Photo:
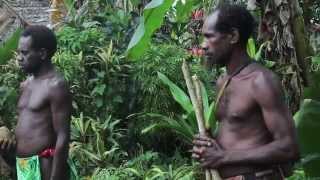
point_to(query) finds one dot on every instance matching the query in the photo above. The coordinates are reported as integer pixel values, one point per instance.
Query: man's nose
(204, 45)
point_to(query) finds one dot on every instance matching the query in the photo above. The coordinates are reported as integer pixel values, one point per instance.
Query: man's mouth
(22, 66)
(208, 56)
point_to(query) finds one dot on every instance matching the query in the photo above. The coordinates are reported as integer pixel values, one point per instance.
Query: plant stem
(194, 90)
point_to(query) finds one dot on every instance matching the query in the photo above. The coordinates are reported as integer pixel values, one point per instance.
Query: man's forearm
(275, 152)
(59, 166)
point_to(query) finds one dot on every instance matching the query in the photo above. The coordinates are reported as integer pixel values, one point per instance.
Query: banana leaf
(307, 121)
(8, 48)
(153, 15)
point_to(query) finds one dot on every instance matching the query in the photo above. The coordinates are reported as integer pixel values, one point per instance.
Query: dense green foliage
(133, 119)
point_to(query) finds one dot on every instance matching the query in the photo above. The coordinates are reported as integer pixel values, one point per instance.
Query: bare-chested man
(256, 134)
(44, 108)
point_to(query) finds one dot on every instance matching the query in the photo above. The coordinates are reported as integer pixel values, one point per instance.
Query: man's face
(216, 45)
(29, 59)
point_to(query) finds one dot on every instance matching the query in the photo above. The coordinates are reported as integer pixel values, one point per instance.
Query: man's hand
(207, 152)
(7, 141)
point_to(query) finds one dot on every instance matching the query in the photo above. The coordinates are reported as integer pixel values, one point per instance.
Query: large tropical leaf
(183, 99)
(8, 48)
(307, 121)
(153, 15)
(180, 126)
(184, 9)
(185, 126)
(178, 94)
(312, 92)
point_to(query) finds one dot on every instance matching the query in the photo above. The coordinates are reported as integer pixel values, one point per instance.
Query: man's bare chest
(236, 102)
(33, 97)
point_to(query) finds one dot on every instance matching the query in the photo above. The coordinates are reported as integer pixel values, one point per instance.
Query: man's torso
(34, 131)
(241, 122)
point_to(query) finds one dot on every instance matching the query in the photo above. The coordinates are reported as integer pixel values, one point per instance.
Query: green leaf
(257, 56)
(205, 98)
(149, 128)
(135, 2)
(316, 60)
(8, 48)
(251, 48)
(312, 92)
(99, 102)
(178, 94)
(210, 120)
(69, 4)
(184, 10)
(153, 15)
(134, 171)
(180, 126)
(99, 89)
(307, 121)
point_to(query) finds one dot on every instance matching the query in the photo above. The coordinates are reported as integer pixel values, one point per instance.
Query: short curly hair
(235, 16)
(42, 37)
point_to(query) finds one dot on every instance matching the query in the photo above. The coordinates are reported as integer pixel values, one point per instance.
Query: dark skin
(255, 126)
(44, 109)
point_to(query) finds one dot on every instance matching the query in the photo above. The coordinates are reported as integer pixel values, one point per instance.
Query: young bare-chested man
(256, 134)
(44, 107)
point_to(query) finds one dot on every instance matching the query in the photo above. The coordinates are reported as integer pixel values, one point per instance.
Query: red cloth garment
(49, 152)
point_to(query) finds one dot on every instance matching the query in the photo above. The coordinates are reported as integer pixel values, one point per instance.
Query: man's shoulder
(265, 82)
(264, 76)
(58, 86)
(26, 82)
(57, 81)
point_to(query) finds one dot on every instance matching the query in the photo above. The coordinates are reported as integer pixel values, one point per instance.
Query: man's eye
(24, 52)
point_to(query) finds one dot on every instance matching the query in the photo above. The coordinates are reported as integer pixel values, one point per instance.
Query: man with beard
(44, 107)
(256, 138)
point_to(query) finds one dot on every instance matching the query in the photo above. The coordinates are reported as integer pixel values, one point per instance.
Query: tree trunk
(283, 25)
(302, 46)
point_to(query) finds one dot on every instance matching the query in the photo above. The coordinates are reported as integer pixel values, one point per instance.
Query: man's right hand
(207, 151)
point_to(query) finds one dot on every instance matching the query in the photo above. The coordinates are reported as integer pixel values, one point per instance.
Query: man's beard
(211, 62)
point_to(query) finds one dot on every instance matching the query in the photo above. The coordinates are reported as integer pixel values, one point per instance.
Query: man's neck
(238, 58)
(45, 70)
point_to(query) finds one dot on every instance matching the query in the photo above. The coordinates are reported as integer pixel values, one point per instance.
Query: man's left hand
(207, 152)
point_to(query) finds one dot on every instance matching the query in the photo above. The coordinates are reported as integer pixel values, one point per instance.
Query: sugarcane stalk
(194, 90)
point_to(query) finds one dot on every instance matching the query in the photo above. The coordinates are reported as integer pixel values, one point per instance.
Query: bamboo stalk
(213, 173)
(199, 105)
(193, 97)
(194, 90)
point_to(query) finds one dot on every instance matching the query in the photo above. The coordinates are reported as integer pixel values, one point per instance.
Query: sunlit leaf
(8, 48)
(153, 15)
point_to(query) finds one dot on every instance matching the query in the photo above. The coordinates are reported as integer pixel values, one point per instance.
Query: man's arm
(60, 100)
(268, 94)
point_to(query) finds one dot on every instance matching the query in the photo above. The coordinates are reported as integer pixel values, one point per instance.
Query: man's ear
(43, 54)
(235, 36)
